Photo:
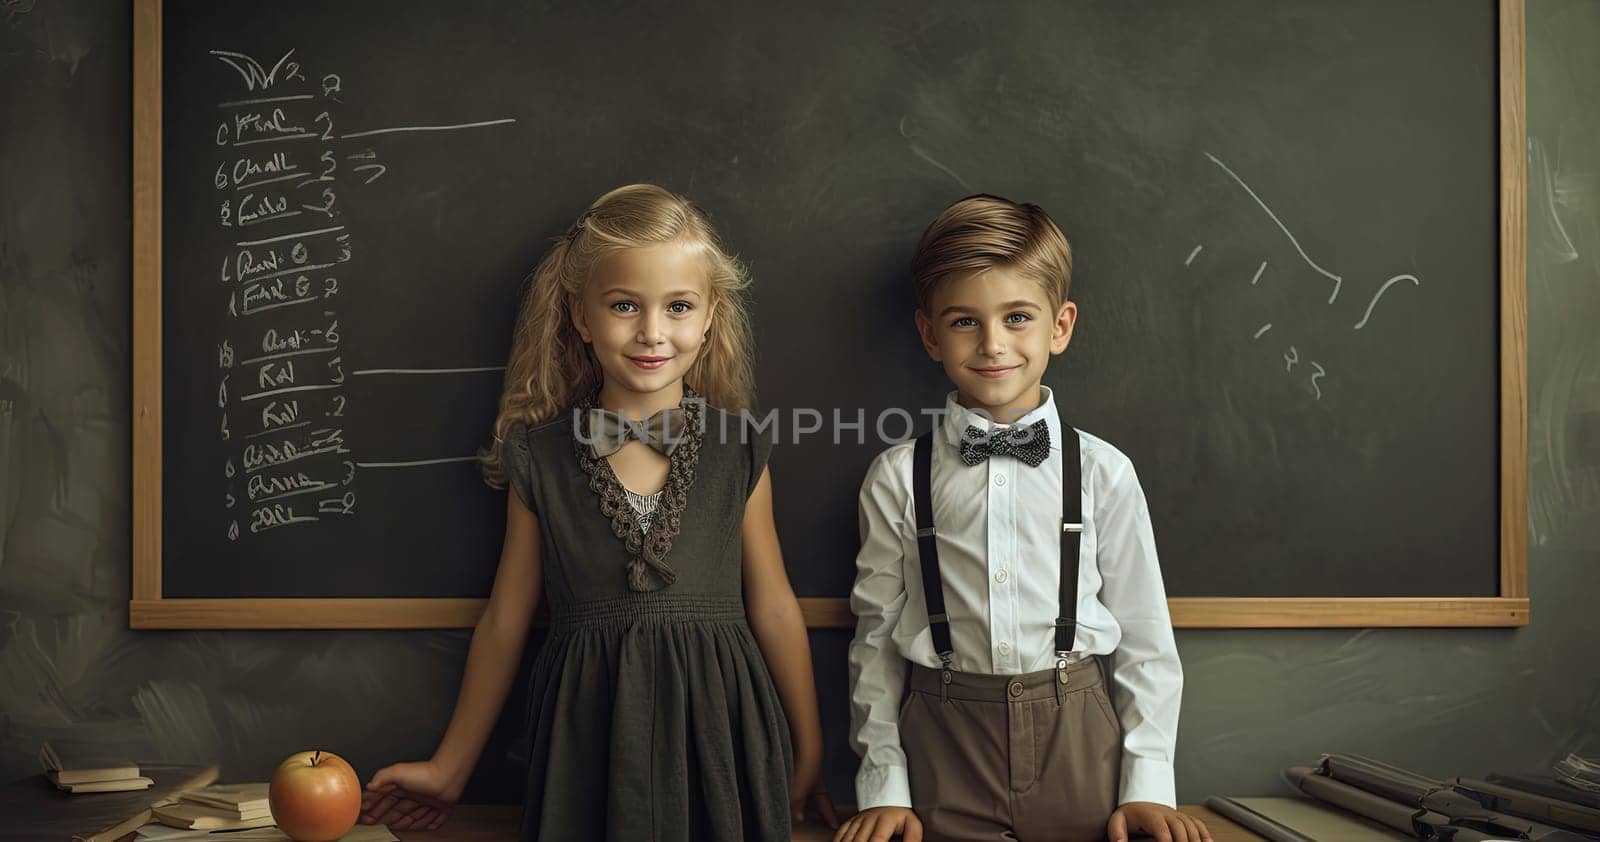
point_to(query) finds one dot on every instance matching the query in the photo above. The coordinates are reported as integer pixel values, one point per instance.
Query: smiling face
(994, 331)
(646, 311)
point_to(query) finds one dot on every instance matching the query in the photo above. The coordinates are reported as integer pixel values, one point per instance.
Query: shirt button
(1000, 479)
(1005, 648)
(1000, 576)
(1015, 689)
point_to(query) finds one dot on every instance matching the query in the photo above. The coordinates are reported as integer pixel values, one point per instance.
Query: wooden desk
(23, 802)
(484, 823)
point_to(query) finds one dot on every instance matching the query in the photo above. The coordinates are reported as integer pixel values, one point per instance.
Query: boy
(1008, 731)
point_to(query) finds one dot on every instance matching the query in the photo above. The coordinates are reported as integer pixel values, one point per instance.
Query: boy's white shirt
(999, 557)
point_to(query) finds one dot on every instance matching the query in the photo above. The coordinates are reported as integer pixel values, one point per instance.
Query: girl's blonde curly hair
(550, 370)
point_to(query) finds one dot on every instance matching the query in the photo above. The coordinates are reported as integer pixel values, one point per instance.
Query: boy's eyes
(1011, 319)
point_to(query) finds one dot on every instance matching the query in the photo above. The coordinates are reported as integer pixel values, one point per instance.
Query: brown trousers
(1012, 757)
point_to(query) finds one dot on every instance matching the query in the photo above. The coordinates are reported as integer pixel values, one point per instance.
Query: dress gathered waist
(648, 607)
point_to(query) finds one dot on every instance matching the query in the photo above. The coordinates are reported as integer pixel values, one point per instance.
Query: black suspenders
(928, 547)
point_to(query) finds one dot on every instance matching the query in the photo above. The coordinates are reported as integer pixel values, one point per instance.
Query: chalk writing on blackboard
(1284, 228)
(281, 365)
(429, 128)
(372, 171)
(256, 76)
(411, 463)
(472, 370)
(1291, 356)
(1379, 294)
(1318, 376)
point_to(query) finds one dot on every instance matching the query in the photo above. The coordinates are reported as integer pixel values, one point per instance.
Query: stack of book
(76, 772)
(217, 807)
(33, 809)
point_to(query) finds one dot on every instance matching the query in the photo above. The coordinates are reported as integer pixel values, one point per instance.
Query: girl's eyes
(676, 308)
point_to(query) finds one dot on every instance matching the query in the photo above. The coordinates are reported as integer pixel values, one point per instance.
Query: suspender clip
(927, 532)
(1071, 527)
(1067, 659)
(1063, 659)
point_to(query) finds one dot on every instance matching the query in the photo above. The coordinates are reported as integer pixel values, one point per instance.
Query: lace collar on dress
(647, 549)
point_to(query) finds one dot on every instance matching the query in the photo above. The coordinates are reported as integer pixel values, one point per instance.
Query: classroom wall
(1442, 702)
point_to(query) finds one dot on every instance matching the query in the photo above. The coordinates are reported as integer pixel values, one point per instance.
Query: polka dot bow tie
(1030, 444)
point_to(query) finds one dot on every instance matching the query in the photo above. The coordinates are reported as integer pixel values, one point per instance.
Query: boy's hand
(879, 824)
(1160, 821)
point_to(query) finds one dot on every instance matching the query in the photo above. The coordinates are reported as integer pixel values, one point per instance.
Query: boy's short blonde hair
(983, 232)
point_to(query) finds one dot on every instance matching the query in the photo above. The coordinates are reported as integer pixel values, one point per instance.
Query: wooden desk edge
(496, 822)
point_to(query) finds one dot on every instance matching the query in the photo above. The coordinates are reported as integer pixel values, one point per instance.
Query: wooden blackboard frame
(148, 609)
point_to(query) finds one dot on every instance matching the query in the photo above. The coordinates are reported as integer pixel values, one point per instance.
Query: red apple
(315, 796)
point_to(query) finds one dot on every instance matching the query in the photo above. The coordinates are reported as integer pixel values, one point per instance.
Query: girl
(643, 508)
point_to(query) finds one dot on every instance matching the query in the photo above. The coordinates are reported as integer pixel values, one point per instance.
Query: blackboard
(1290, 221)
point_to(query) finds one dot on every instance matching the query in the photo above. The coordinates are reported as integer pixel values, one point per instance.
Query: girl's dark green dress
(651, 714)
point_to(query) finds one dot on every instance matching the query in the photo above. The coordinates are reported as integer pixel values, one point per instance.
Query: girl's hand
(879, 824)
(814, 794)
(405, 796)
